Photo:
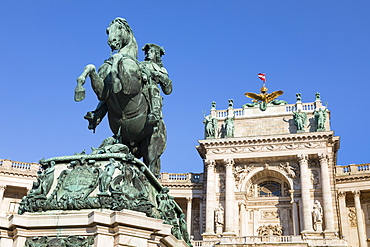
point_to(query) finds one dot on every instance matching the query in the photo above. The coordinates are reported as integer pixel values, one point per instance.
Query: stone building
(270, 177)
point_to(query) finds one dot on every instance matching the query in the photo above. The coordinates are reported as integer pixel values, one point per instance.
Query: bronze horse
(119, 85)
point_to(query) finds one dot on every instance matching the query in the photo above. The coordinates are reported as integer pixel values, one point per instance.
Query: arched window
(269, 189)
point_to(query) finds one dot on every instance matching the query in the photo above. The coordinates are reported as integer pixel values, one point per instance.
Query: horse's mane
(124, 23)
(133, 47)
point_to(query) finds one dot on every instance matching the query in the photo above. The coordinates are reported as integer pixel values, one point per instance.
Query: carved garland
(263, 148)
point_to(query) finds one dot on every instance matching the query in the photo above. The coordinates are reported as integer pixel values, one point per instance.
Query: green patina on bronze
(320, 119)
(124, 182)
(69, 241)
(300, 120)
(128, 92)
(113, 176)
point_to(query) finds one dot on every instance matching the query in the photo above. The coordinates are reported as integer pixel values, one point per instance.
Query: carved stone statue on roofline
(320, 119)
(210, 127)
(300, 120)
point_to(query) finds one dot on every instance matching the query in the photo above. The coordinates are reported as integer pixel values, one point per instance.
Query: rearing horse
(119, 85)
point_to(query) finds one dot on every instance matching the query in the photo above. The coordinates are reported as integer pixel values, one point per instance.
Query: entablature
(263, 146)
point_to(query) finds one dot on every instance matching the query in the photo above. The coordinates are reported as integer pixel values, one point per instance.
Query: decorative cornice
(242, 141)
(261, 144)
(352, 178)
(18, 174)
(266, 148)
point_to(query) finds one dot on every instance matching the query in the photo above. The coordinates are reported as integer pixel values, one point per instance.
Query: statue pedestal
(318, 227)
(101, 228)
(104, 185)
(219, 229)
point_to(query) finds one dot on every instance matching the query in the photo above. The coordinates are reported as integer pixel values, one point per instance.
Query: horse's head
(120, 35)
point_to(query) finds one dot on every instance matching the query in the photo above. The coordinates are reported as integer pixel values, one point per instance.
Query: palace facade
(270, 178)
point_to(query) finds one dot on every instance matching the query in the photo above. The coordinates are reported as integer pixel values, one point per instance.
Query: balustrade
(181, 177)
(308, 107)
(21, 166)
(241, 112)
(353, 169)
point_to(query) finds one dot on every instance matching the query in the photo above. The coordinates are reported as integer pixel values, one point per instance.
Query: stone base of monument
(96, 199)
(87, 228)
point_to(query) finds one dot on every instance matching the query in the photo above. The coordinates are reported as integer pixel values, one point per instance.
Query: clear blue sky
(214, 50)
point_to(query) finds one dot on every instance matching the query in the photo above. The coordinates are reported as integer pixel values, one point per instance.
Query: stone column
(305, 191)
(343, 214)
(188, 214)
(326, 194)
(211, 197)
(229, 198)
(360, 220)
(2, 190)
(294, 213)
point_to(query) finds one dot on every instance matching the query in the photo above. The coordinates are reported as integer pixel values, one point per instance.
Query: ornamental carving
(60, 242)
(342, 194)
(273, 203)
(323, 158)
(267, 148)
(302, 158)
(119, 185)
(196, 220)
(315, 180)
(352, 216)
(270, 230)
(240, 172)
(222, 183)
(113, 181)
(251, 191)
(209, 163)
(290, 170)
(269, 214)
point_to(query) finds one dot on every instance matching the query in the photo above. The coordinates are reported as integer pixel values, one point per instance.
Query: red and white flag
(262, 76)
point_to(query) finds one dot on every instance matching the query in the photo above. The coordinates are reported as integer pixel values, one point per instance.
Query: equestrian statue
(128, 91)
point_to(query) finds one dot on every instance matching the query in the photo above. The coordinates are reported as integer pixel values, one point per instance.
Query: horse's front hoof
(79, 95)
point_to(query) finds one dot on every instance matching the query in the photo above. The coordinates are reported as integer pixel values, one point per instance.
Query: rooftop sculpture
(264, 98)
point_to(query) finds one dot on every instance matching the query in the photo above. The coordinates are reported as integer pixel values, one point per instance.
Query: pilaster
(188, 213)
(229, 197)
(343, 214)
(294, 213)
(360, 219)
(2, 190)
